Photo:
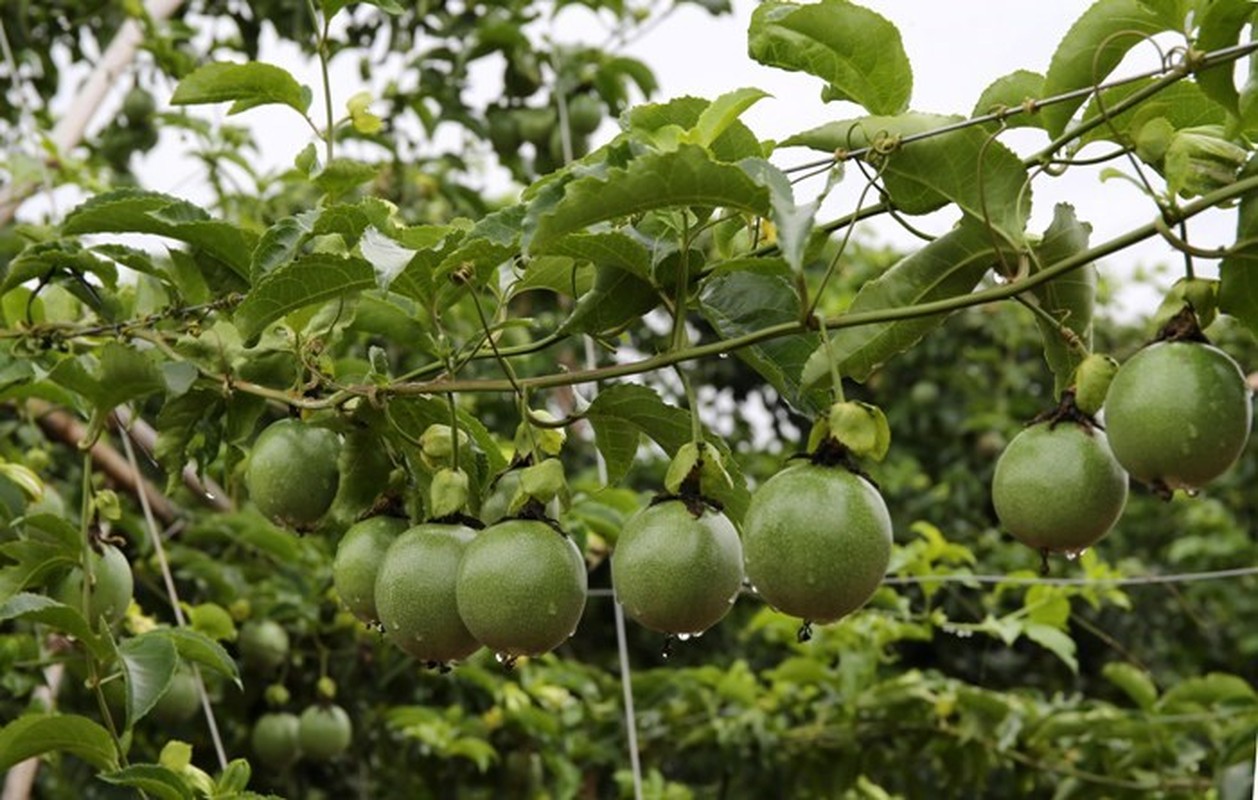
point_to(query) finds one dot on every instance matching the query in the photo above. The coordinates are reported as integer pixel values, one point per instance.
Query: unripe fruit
(263, 644)
(1058, 488)
(180, 700)
(110, 591)
(585, 113)
(275, 739)
(416, 595)
(816, 541)
(1178, 414)
(359, 555)
(324, 731)
(292, 474)
(521, 587)
(676, 572)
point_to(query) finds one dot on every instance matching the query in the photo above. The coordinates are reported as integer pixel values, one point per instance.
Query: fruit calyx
(1184, 326)
(1066, 410)
(693, 472)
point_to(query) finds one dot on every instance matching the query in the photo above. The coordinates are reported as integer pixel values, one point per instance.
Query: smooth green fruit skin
(416, 596)
(275, 739)
(111, 591)
(263, 644)
(521, 588)
(324, 731)
(180, 700)
(359, 555)
(1179, 414)
(816, 541)
(292, 474)
(1059, 488)
(675, 573)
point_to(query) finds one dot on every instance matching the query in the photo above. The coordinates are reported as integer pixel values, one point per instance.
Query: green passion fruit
(292, 474)
(1058, 488)
(263, 644)
(1178, 414)
(521, 587)
(676, 571)
(275, 739)
(181, 699)
(324, 731)
(816, 541)
(415, 593)
(359, 555)
(110, 590)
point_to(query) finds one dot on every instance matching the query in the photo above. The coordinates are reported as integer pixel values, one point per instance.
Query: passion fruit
(263, 644)
(521, 587)
(110, 591)
(1178, 414)
(292, 474)
(676, 571)
(816, 541)
(359, 555)
(415, 593)
(181, 699)
(275, 739)
(1058, 488)
(324, 731)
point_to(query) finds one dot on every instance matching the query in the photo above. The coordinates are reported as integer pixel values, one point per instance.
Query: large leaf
(736, 303)
(1238, 272)
(58, 616)
(687, 176)
(200, 649)
(1221, 25)
(148, 665)
(857, 52)
(967, 167)
(950, 266)
(653, 122)
(611, 249)
(1011, 92)
(297, 284)
(136, 211)
(621, 415)
(123, 374)
(1182, 104)
(617, 298)
(1090, 51)
(153, 779)
(246, 85)
(1068, 298)
(37, 734)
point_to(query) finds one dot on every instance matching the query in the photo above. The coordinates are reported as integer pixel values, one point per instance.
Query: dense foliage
(416, 351)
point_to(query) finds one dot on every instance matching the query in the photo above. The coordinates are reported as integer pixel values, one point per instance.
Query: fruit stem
(836, 380)
(692, 400)
(1069, 335)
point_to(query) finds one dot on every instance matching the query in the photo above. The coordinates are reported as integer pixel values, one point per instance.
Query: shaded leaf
(152, 779)
(58, 616)
(297, 284)
(37, 734)
(857, 52)
(1238, 272)
(617, 298)
(1134, 682)
(950, 266)
(148, 664)
(196, 647)
(611, 249)
(1068, 298)
(1221, 24)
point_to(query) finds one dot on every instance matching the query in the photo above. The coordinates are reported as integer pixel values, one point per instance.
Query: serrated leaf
(280, 243)
(1134, 682)
(244, 85)
(857, 52)
(1010, 92)
(685, 177)
(180, 420)
(152, 779)
(736, 303)
(611, 249)
(1238, 271)
(136, 211)
(200, 649)
(148, 664)
(1221, 25)
(617, 298)
(1069, 298)
(38, 734)
(558, 274)
(967, 167)
(1090, 51)
(950, 266)
(683, 113)
(297, 284)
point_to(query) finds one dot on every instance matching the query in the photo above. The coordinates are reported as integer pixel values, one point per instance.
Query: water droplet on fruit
(667, 650)
(804, 634)
(506, 660)
(1192, 492)
(683, 637)
(1072, 555)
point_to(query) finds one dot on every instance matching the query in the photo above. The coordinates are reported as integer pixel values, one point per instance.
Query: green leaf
(1069, 298)
(1221, 25)
(60, 617)
(1134, 682)
(737, 303)
(1055, 641)
(723, 112)
(280, 243)
(652, 122)
(685, 177)
(197, 647)
(950, 266)
(611, 249)
(1206, 692)
(37, 734)
(1010, 92)
(1090, 51)
(148, 665)
(152, 779)
(1238, 271)
(793, 223)
(246, 85)
(136, 211)
(297, 284)
(617, 298)
(857, 52)
(330, 7)
(342, 175)
(558, 274)
(1183, 104)
(967, 167)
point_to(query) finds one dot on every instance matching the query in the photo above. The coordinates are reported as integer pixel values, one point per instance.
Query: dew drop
(1072, 555)
(666, 651)
(683, 637)
(506, 660)
(1192, 492)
